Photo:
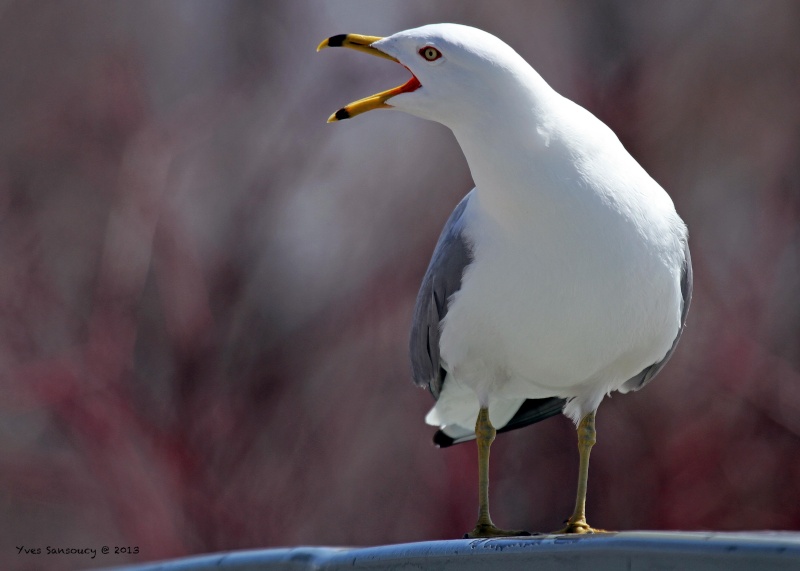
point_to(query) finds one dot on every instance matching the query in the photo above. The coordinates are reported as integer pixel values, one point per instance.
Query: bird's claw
(579, 527)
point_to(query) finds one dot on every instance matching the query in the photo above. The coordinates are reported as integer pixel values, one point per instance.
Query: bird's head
(457, 71)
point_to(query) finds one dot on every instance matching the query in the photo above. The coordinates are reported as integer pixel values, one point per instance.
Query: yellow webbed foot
(578, 526)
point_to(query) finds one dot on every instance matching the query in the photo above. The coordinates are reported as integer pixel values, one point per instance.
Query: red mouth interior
(411, 85)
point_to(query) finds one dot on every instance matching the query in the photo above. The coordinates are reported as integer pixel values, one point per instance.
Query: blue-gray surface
(624, 550)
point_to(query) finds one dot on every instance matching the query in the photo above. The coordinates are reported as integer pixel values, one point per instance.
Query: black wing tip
(531, 412)
(441, 440)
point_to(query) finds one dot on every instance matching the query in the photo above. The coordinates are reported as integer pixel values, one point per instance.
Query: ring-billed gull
(563, 275)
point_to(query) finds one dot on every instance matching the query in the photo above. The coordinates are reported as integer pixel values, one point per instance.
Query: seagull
(563, 276)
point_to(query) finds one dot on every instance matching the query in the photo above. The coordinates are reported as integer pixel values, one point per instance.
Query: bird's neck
(509, 153)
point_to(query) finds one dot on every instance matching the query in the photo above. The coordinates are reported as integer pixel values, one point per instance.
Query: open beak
(364, 44)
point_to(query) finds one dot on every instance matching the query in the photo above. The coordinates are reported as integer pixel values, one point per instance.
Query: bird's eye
(430, 53)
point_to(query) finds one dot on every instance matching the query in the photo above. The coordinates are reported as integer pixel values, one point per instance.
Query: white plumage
(575, 283)
(564, 273)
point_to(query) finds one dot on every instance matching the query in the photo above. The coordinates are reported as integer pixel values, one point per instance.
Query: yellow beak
(377, 101)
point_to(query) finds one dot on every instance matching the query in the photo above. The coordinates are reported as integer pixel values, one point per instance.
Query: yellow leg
(484, 435)
(586, 439)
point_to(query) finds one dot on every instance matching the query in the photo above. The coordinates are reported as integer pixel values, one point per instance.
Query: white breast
(575, 284)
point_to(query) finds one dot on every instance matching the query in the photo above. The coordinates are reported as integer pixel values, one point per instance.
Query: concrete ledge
(630, 550)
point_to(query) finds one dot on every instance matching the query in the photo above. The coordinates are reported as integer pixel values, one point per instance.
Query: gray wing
(640, 380)
(442, 279)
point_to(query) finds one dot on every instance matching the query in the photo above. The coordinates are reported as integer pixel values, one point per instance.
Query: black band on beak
(337, 41)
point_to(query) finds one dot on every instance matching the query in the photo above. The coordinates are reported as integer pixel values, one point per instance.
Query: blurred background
(206, 291)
